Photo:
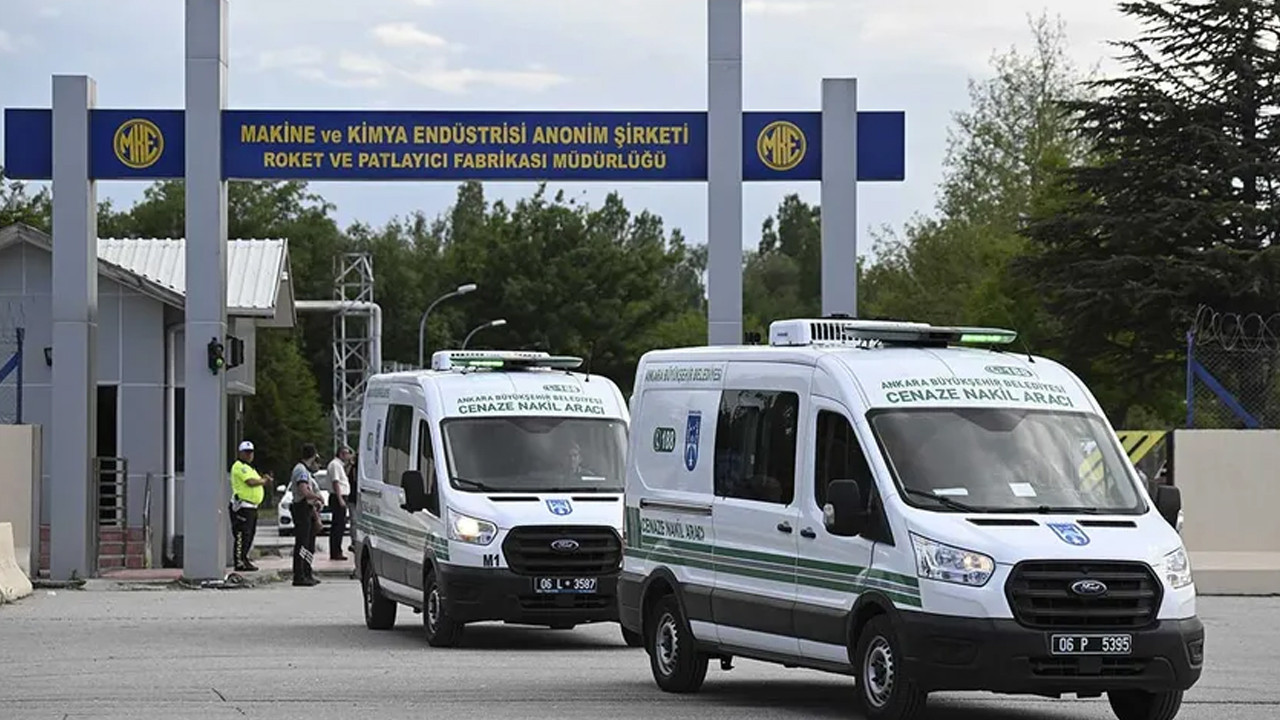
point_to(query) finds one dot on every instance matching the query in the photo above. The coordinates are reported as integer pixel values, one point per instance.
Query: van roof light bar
(829, 332)
(501, 360)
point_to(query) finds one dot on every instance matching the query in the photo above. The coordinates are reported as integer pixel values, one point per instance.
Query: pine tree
(1177, 206)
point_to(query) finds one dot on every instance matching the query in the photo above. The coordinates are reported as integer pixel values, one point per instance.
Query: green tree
(1177, 204)
(19, 205)
(284, 411)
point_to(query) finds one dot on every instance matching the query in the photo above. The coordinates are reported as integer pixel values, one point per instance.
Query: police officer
(305, 509)
(246, 496)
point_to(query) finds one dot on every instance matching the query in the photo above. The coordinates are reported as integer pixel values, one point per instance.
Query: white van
(886, 501)
(490, 488)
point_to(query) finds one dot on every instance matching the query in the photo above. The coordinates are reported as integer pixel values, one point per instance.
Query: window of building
(756, 445)
(838, 456)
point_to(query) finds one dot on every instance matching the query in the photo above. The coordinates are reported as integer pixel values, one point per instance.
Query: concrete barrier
(13, 582)
(1230, 496)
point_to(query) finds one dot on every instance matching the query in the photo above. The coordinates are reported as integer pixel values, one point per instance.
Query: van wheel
(440, 629)
(632, 638)
(379, 611)
(885, 692)
(677, 665)
(1140, 705)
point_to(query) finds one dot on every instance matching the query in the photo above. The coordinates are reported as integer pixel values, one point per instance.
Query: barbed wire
(1233, 331)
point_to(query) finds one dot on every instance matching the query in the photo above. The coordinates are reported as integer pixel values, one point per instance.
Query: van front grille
(1040, 595)
(595, 550)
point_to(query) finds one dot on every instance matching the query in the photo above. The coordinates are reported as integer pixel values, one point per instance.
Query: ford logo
(564, 545)
(1089, 588)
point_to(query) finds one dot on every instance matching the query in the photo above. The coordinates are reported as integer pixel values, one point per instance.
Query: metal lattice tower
(352, 356)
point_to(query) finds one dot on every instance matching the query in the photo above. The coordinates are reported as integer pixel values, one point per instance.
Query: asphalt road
(285, 653)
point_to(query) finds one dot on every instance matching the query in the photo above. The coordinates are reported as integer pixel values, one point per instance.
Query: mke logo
(781, 145)
(138, 143)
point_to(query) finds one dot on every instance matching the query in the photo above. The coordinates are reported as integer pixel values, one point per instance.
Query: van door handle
(784, 526)
(808, 533)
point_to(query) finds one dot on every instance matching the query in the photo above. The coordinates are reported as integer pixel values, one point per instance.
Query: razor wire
(1233, 370)
(12, 329)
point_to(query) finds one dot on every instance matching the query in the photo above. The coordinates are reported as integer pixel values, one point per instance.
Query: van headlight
(936, 561)
(1177, 569)
(467, 529)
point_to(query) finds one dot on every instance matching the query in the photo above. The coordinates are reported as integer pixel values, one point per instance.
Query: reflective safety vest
(241, 473)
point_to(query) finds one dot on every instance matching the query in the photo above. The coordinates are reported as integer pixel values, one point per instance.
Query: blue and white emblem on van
(1069, 533)
(692, 434)
(559, 507)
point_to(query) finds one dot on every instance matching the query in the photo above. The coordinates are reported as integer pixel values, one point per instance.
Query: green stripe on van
(841, 577)
(415, 538)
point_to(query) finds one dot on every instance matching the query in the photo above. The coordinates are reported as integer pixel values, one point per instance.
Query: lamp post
(492, 323)
(422, 323)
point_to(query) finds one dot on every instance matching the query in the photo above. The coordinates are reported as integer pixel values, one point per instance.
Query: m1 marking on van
(664, 439)
(1011, 370)
(692, 435)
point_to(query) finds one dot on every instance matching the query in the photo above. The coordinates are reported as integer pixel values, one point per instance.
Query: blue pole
(21, 333)
(1191, 378)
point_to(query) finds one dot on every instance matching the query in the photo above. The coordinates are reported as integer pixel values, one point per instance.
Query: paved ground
(284, 653)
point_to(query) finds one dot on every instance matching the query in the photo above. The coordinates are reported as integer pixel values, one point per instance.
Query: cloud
(7, 44)
(301, 56)
(460, 80)
(781, 7)
(406, 34)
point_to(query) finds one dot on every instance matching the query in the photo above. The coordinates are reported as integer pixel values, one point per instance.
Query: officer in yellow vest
(246, 496)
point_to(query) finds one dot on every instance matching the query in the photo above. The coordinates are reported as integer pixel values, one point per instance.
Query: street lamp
(422, 324)
(492, 323)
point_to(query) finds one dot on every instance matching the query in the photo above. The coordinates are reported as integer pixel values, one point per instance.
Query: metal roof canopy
(258, 281)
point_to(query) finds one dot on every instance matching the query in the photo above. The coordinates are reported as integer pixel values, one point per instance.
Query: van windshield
(1006, 460)
(536, 454)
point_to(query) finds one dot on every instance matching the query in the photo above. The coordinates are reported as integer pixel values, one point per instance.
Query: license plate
(1091, 644)
(564, 585)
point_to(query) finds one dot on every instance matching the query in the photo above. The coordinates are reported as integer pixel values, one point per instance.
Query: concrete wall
(130, 355)
(1230, 489)
(20, 448)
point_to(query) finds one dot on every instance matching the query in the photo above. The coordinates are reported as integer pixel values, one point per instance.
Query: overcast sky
(911, 55)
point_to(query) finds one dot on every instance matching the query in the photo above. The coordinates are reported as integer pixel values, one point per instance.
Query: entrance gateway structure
(74, 144)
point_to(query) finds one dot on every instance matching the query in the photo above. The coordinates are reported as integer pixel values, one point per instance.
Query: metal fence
(12, 342)
(1233, 371)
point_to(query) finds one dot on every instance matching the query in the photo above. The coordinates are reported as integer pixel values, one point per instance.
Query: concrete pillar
(724, 172)
(206, 488)
(839, 196)
(72, 514)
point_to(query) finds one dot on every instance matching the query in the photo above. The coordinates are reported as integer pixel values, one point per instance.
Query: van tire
(677, 665)
(632, 638)
(1140, 705)
(440, 629)
(884, 691)
(379, 610)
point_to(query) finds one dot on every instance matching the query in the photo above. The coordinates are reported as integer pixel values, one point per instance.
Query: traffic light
(235, 352)
(217, 358)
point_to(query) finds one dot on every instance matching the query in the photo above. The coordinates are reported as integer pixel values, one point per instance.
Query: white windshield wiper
(942, 499)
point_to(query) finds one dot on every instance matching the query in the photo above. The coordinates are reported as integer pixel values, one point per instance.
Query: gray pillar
(206, 488)
(72, 521)
(724, 172)
(840, 196)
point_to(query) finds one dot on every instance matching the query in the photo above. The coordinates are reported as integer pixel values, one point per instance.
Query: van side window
(756, 445)
(838, 456)
(427, 466)
(397, 446)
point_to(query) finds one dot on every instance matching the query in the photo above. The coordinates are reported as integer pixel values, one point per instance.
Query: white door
(756, 515)
(831, 570)
(402, 537)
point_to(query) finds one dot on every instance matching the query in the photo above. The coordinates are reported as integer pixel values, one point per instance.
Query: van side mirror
(1169, 503)
(845, 513)
(415, 491)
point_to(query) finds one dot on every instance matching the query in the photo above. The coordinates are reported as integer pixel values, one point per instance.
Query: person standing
(339, 497)
(246, 496)
(306, 518)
